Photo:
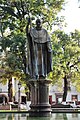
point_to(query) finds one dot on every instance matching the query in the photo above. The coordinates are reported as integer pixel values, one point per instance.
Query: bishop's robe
(39, 53)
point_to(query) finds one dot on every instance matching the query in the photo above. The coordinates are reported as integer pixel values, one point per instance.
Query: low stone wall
(4, 107)
(65, 110)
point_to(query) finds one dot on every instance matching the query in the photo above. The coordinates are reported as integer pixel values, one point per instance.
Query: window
(74, 98)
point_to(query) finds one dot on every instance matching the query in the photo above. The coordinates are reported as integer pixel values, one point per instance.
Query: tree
(13, 16)
(66, 58)
(21, 10)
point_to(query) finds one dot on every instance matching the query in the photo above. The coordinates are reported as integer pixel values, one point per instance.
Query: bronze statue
(39, 51)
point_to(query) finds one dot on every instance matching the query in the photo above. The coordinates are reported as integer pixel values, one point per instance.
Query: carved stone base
(40, 98)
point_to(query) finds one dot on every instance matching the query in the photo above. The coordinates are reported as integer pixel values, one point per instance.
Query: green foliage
(13, 16)
(66, 56)
(66, 48)
(21, 10)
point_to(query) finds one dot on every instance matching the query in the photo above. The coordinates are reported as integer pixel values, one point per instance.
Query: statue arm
(49, 46)
(49, 54)
(27, 27)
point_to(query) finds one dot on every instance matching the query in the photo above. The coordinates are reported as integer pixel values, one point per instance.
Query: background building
(56, 96)
(4, 92)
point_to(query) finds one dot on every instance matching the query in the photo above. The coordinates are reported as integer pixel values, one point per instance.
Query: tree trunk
(29, 92)
(10, 90)
(65, 88)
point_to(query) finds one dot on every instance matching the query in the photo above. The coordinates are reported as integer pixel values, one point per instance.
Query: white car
(23, 106)
(73, 104)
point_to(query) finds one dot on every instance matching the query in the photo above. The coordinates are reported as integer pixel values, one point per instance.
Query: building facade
(56, 96)
(4, 92)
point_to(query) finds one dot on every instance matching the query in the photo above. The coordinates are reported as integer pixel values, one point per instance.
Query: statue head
(38, 23)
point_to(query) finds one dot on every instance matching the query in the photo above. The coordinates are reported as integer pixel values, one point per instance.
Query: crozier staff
(40, 51)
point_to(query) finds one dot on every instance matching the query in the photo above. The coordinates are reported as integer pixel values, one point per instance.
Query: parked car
(73, 104)
(60, 105)
(23, 106)
(78, 106)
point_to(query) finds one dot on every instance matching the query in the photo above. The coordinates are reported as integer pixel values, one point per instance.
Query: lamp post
(19, 86)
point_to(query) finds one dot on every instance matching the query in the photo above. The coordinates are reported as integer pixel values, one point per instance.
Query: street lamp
(19, 86)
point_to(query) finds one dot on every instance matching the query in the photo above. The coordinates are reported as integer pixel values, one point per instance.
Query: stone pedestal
(40, 98)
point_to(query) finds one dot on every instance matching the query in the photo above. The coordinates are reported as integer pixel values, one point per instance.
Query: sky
(72, 15)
